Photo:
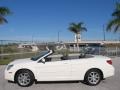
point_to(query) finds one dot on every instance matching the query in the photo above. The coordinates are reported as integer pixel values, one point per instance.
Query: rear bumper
(109, 72)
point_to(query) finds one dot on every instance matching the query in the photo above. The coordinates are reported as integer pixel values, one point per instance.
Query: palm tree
(114, 24)
(4, 11)
(77, 28)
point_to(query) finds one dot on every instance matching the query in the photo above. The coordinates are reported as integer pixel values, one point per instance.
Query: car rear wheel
(93, 77)
(24, 78)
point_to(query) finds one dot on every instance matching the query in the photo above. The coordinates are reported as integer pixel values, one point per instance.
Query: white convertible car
(47, 67)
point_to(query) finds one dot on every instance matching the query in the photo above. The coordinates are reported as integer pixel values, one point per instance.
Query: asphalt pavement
(112, 83)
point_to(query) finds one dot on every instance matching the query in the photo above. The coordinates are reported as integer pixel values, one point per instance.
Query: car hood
(19, 61)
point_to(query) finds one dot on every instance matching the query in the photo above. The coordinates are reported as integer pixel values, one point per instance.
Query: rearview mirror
(43, 60)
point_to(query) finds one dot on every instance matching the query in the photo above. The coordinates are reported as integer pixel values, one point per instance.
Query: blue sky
(42, 19)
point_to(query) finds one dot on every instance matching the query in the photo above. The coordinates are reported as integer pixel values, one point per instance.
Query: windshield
(34, 58)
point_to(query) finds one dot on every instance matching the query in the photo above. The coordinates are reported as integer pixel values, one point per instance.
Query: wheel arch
(21, 70)
(102, 75)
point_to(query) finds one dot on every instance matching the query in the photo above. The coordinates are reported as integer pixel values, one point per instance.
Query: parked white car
(47, 67)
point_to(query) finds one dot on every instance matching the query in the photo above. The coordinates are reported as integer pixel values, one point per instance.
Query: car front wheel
(24, 78)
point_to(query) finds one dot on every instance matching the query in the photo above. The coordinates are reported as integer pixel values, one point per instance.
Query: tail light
(109, 62)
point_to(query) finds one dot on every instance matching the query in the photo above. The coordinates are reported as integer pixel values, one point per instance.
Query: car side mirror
(43, 60)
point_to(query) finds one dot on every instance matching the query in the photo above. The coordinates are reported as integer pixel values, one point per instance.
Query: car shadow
(11, 82)
(55, 82)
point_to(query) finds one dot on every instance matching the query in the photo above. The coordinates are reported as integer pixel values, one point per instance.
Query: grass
(4, 60)
(13, 49)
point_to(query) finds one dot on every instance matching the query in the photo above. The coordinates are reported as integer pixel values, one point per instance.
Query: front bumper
(9, 75)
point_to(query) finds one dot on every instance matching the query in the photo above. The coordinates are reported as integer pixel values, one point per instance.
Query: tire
(93, 77)
(24, 78)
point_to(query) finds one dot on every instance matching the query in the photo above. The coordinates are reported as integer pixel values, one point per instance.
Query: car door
(53, 70)
(78, 68)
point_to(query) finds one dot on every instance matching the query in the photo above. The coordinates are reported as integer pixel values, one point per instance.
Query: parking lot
(112, 83)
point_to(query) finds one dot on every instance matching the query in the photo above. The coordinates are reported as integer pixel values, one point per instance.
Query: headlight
(9, 67)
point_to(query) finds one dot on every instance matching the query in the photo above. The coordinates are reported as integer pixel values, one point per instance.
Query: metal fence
(10, 49)
(107, 51)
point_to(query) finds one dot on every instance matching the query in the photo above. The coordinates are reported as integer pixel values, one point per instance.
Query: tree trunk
(78, 39)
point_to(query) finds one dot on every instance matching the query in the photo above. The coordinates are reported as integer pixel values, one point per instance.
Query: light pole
(1, 49)
(32, 39)
(58, 36)
(118, 36)
(104, 36)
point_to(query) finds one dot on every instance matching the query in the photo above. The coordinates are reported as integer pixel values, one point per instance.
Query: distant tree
(4, 11)
(77, 28)
(114, 24)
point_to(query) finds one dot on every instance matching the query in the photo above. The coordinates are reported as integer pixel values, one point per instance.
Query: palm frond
(77, 27)
(117, 6)
(80, 23)
(116, 13)
(4, 11)
(72, 24)
(72, 29)
(117, 28)
(112, 24)
(84, 29)
(3, 20)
